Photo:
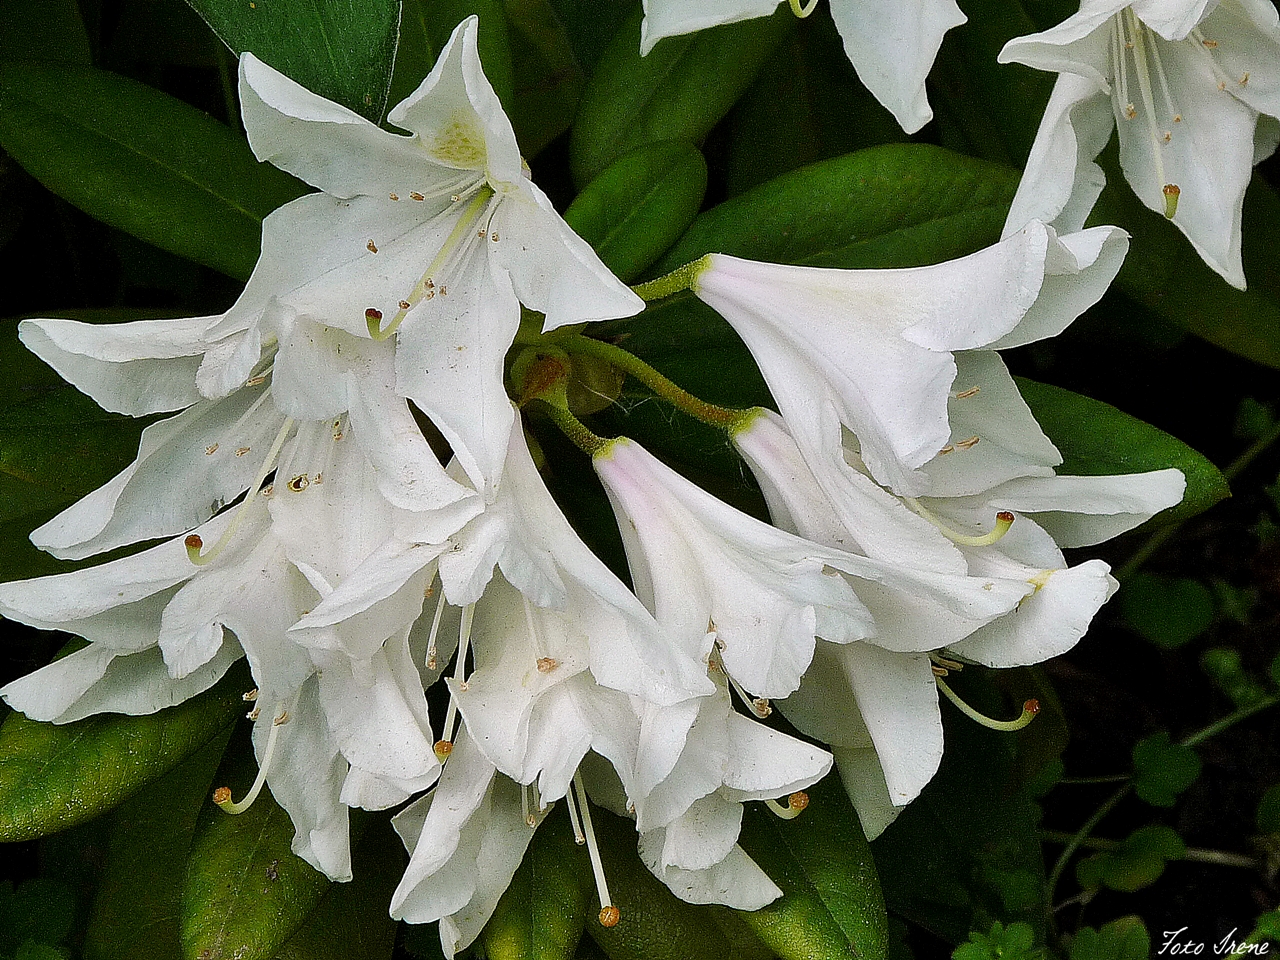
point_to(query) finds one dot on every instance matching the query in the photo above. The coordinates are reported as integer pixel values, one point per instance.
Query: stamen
(435, 629)
(1029, 710)
(1004, 520)
(796, 804)
(1148, 99)
(757, 705)
(1171, 193)
(194, 544)
(609, 914)
(578, 836)
(423, 288)
(222, 796)
(531, 811)
(251, 696)
(459, 674)
(966, 394)
(803, 11)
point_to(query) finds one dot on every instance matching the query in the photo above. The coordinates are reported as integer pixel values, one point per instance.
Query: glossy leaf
(139, 893)
(351, 921)
(1096, 438)
(806, 104)
(245, 892)
(896, 205)
(831, 906)
(654, 924)
(678, 92)
(547, 79)
(342, 51)
(141, 161)
(55, 775)
(542, 914)
(640, 205)
(58, 447)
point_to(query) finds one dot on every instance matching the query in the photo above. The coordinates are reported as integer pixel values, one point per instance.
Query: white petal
(764, 763)
(449, 361)
(736, 881)
(892, 45)
(1079, 45)
(700, 837)
(1061, 182)
(1172, 19)
(1046, 624)
(305, 777)
(136, 368)
(1209, 156)
(898, 700)
(47, 693)
(553, 270)
(1248, 35)
(1082, 511)
(673, 18)
(457, 116)
(1010, 441)
(187, 468)
(326, 144)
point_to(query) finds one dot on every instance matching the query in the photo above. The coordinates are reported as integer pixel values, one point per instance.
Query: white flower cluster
(307, 524)
(1192, 86)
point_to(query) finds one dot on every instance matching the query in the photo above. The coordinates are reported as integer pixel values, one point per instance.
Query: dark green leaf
(31, 950)
(1168, 611)
(51, 31)
(342, 51)
(1163, 769)
(56, 775)
(1136, 862)
(654, 924)
(141, 161)
(1096, 438)
(831, 906)
(965, 853)
(548, 80)
(351, 920)
(807, 104)
(640, 205)
(678, 92)
(39, 910)
(140, 889)
(891, 206)
(1123, 939)
(590, 24)
(542, 914)
(245, 892)
(58, 447)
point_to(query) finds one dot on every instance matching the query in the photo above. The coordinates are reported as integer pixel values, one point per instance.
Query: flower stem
(725, 418)
(1197, 854)
(1230, 720)
(681, 278)
(546, 378)
(1078, 838)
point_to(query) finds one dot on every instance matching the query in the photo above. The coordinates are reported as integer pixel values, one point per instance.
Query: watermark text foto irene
(1178, 943)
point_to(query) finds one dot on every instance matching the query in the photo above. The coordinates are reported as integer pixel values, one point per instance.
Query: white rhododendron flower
(438, 236)
(331, 731)
(891, 43)
(991, 486)
(871, 350)
(1193, 87)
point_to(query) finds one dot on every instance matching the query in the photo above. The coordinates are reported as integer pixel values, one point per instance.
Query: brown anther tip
(609, 916)
(373, 313)
(1031, 706)
(371, 247)
(798, 800)
(547, 664)
(1171, 190)
(222, 796)
(443, 748)
(193, 541)
(1004, 516)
